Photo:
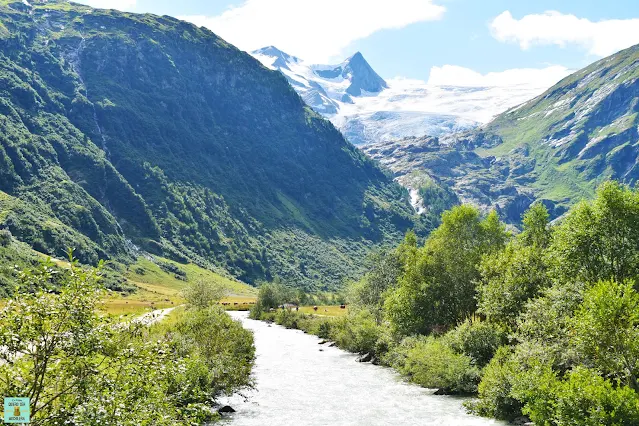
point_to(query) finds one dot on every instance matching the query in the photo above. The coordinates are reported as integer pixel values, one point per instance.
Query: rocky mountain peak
(359, 72)
(281, 59)
(363, 77)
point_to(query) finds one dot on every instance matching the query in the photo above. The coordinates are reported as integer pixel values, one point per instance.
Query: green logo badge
(17, 410)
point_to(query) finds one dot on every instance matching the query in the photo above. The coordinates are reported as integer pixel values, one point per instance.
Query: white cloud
(452, 75)
(317, 31)
(109, 4)
(600, 38)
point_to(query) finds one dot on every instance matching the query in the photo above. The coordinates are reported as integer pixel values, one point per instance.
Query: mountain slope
(579, 132)
(432, 168)
(556, 147)
(119, 129)
(368, 109)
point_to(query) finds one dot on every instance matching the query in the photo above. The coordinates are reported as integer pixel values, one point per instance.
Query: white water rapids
(297, 384)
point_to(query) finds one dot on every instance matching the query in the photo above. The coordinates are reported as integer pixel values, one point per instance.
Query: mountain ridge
(369, 109)
(117, 127)
(557, 147)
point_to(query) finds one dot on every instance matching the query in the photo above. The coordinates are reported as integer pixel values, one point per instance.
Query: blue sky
(408, 38)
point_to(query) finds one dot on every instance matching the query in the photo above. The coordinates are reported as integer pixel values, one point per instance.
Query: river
(297, 384)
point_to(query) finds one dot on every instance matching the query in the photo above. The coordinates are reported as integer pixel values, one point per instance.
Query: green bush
(495, 399)
(476, 339)
(431, 363)
(396, 356)
(287, 318)
(582, 398)
(588, 399)
(5, 238)
(605, 330)
(324, 329)
(219, 351)
(93, 371)
(356, 332)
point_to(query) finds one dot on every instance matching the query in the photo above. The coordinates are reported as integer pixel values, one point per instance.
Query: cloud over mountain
(600, 38)
(316, 31)
(453, 75)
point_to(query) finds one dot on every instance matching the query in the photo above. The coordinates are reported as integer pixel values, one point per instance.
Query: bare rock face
(442, 172)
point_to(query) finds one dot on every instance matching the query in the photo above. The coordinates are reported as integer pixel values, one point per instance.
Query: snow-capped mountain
(367, 108)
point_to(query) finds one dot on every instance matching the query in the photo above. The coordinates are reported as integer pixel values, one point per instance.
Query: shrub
(495, 399)
(356, 332)
(287, 318)
(605, 330)
(396, 356)
(5, 238)
(583, 397)
(219, 350)
(588, 399)
(93, 371)
(434, 364)
(478, 340)
(324, 329)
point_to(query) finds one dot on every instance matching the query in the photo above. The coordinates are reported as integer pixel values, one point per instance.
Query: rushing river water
(297, 384)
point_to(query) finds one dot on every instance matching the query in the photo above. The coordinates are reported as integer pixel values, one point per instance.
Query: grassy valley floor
(159, 284)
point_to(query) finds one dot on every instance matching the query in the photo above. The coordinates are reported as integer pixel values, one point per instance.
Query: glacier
(369, 109)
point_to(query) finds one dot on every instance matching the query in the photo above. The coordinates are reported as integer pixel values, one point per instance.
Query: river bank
(299, 382)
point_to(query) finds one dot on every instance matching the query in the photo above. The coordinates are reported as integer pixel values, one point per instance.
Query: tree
(438, 285)
(606, 330)
(204, 294)
(536, 227)
(511, 277)
(598, 241)
(369, 292)
(271, 296)
(509, 280)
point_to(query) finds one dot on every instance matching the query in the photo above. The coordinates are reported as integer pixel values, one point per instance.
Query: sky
(446, 42)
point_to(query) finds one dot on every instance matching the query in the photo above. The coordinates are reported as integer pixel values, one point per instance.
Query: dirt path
(153, 317)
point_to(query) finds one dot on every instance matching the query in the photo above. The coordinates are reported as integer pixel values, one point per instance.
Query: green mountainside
(580, 132)
(123, 132)
(557, 147)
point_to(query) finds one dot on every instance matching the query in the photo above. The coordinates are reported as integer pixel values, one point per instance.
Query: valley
(194, 232)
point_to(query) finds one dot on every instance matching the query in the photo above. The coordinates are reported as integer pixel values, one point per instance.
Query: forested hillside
(123, 132)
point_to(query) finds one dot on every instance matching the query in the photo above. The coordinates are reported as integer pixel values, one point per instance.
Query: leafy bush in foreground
(583, 397)
(81, 368)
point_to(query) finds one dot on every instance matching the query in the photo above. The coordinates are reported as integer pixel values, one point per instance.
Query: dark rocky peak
(362, 76)
(359, 72)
